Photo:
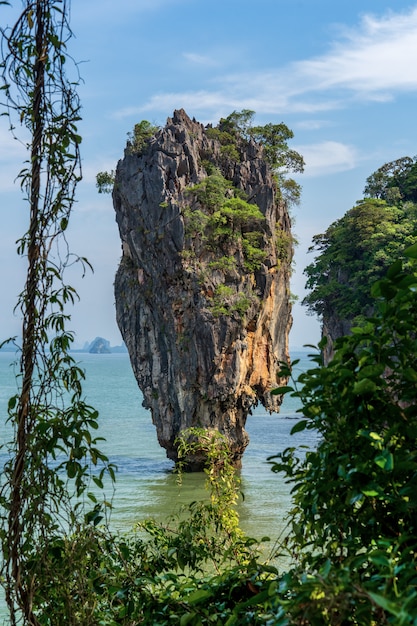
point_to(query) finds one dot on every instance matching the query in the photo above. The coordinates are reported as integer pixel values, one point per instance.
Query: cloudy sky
(341, 74)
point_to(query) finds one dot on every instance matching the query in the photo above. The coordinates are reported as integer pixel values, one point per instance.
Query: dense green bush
(234, 133)
(352, 533)
(354, 521)
(394, 182)
(353, 253)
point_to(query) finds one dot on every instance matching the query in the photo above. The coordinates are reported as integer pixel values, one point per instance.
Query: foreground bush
(354, 521)
(352, 529)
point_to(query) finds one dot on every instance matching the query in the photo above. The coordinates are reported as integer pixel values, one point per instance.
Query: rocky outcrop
(332, 329)
(100, 346)
(202, 290)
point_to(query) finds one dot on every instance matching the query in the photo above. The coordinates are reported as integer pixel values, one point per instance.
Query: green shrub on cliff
(140, 136)
(224, 225)
(234, 133)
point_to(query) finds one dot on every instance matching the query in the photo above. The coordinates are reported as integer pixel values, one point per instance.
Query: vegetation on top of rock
(356, 250)
(139, 138)
(234, 133)
(394, 182)
(236, 130)
(137, 141)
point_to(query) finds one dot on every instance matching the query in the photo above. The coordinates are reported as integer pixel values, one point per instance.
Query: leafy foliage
(53, 456)
(394, 182)
(222, 223)
(354, 519)
(139, 138)
(105, 181)
(197, 568)
(137, 142)
(226, 218)
(235, 132)
(355, 251)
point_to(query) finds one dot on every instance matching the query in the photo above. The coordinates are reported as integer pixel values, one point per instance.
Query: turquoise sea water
(146, 486)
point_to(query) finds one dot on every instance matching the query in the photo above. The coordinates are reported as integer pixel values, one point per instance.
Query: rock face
(100, 346)
(332, 329)
(202, 290)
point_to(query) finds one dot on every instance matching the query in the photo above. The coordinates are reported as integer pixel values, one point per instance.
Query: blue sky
(341, 74)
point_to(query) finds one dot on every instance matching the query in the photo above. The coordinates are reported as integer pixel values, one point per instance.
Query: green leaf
(385, 460)
(371, 492)
(372, 435)
(364, 387)
(299, 427)
(379, 558)
(410, 374)
(200, 595)
(278, 391)
(71, 469)
(385, 604)
(186, 618)
(98, 482)
(411, 251)
(395, 269)
(12, 403)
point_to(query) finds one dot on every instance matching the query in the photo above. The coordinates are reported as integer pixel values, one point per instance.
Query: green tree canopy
(354, 252)
(354, 514)
(394, 181)
(237, 128)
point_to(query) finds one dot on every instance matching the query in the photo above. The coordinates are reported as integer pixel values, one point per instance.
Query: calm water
(146, 486)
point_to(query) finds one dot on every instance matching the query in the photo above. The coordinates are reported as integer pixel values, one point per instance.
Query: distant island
(102, 346)
(98, 346)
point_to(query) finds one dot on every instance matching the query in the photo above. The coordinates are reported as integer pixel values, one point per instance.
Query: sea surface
(146, 485)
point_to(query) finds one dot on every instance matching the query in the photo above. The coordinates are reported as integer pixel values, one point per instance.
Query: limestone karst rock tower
(202, 290)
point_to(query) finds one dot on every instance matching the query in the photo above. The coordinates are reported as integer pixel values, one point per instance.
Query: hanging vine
(52, 456)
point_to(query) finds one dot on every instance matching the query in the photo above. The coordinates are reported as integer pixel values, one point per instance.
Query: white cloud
(374, 62)
(191, 101)
(200, 59)
(327, 157)
(311, 124)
